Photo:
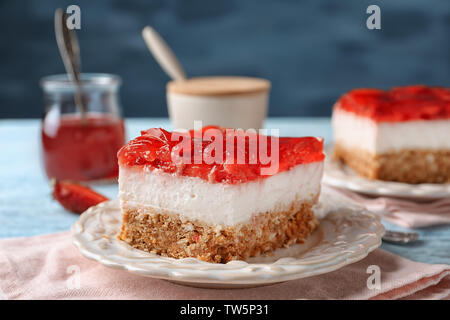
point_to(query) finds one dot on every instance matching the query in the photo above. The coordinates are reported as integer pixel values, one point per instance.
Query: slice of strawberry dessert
(219, 194)
(401, 134)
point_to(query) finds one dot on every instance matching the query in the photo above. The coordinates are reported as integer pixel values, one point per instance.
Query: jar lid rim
(62, 81)
(219, 85)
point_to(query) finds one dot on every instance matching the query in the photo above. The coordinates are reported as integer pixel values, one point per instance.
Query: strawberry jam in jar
(81, 144)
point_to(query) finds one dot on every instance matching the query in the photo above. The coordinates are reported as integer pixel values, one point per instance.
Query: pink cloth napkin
(50, 267)
(405, 213)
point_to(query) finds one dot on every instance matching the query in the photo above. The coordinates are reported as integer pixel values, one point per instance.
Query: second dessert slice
(402, 134)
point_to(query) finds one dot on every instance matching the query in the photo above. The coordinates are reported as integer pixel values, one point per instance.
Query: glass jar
(76, 146)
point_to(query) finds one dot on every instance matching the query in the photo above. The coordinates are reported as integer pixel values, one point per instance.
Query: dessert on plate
(402, 134)
(176, 205)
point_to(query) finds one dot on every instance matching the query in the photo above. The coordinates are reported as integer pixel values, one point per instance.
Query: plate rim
(335, 176)
(250, 273)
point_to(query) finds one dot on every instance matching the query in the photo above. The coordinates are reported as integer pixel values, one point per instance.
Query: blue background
(312, 50)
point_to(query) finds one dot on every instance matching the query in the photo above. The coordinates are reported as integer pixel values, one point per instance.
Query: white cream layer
(354, 131)
(218, 203)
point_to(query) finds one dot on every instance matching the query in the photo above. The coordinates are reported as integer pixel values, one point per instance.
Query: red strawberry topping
(398, 104)
(239, 162)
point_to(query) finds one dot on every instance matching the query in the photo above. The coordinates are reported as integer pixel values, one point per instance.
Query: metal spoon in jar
(70, 53)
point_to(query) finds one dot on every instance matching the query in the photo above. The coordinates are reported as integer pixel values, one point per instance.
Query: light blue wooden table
(27, 208)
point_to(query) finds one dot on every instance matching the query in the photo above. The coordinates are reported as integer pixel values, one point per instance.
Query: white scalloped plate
(346, 235)
(339, 175)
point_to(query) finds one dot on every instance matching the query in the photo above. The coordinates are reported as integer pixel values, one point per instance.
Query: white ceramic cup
(232, 102)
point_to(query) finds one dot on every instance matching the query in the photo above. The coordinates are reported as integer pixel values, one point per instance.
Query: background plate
(339, 175)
